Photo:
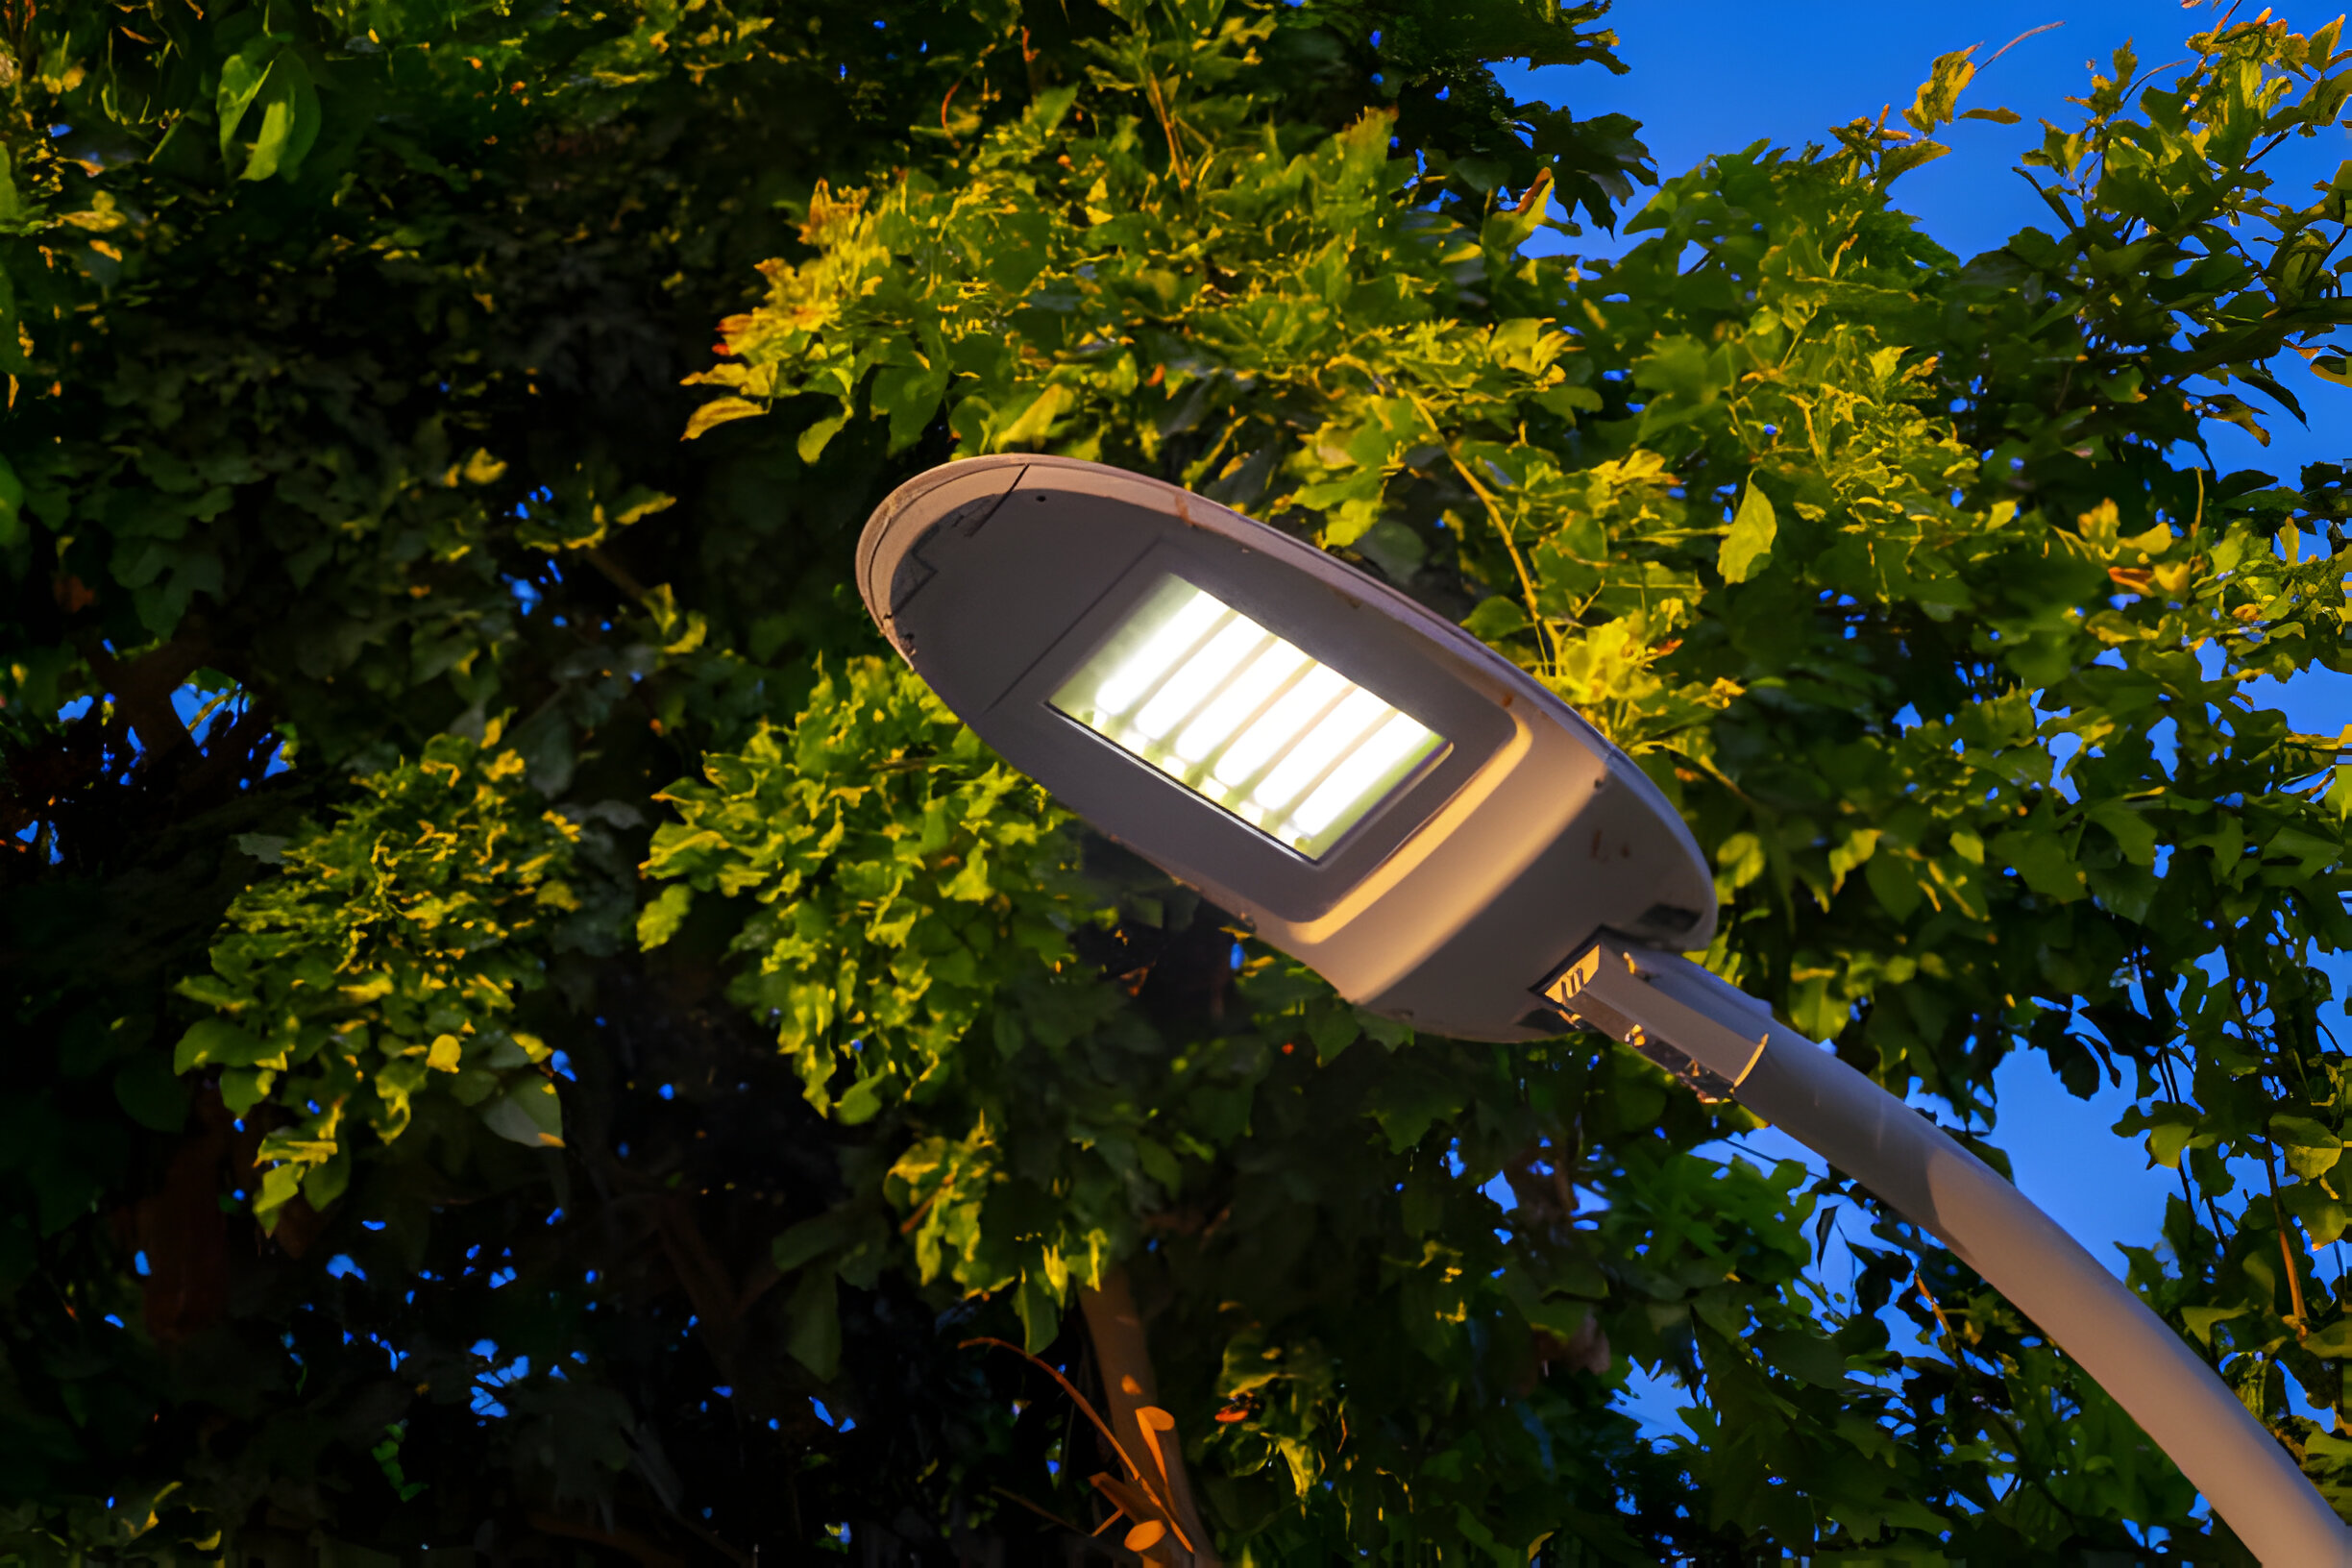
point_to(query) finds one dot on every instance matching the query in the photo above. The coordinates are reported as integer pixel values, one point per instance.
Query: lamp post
(1382, 797)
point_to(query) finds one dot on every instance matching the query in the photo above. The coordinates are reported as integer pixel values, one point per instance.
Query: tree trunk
(1128, 1385)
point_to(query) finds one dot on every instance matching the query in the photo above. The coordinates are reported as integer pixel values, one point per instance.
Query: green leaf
(529, 1113)
(213, 1042)
(659, 920)
(1035, 420)
(290, 121)
(2323, 1216)
(1332, 1030)
(1394, 547)
(2131, 828)
(1040, 1314)
(325, 1181)
(2201, 1319)
(1893, 881)
(1854, 849)
(269, 849)
(1808, 1357)
(829, 1232)
(2171, 1128)
(242, 76)
(909, 396)
(2310, 1150)
(244, 1088)
(13, 530)
(723, 410)
(1750, 541)
(280, 1185)
(1742, 858)
(1497, 620)
(2042, 859)
(812, 1323)
(860, 1102)
(812, 442)
(1417, 1099)
(146, 1087)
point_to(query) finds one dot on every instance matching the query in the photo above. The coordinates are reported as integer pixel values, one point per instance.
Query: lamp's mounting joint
(1707, 1036)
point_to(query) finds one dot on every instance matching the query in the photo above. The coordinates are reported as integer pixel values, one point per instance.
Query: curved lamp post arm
(1727, 1043)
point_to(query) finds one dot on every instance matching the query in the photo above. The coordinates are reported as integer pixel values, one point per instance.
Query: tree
(525, 1032)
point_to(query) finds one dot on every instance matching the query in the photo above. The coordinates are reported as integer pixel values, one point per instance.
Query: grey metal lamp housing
(1388, 800)
(1452, 897)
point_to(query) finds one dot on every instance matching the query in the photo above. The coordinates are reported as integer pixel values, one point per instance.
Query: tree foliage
(381, 958)
(524, 1031)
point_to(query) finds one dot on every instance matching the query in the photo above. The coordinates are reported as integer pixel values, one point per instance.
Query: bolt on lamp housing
(1374, 790)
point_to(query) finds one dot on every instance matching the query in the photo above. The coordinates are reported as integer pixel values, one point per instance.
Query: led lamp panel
(1244, 719)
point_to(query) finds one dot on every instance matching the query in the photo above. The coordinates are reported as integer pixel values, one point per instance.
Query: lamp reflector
(1196, 689)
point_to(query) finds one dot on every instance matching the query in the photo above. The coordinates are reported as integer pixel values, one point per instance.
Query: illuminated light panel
(1201, 676)
(1318, 749)
(1196, 689)
(1301, 704)
(1249, 691)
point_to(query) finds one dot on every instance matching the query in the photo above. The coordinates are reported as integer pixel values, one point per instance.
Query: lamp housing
(1364, 784)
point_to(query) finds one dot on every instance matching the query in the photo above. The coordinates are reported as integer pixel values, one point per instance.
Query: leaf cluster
(380, 962)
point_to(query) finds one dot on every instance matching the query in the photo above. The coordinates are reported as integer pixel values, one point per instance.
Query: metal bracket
(1706, 1034)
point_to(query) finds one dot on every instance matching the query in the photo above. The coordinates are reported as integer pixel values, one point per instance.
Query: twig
(617, 573)
(2300, 1322)
(1167, 128)
(1510, 546)
(1076, 1398)
(142, 691)
(923, 1208)
(621, 1540)
(1041, 1514)
(2019, 38)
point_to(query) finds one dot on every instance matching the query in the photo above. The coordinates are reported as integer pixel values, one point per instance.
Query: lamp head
(1373, 790)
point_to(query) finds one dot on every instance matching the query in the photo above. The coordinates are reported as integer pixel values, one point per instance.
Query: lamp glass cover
(1244, 719)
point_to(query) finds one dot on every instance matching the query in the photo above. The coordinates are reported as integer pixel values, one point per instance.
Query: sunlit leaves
(380, 963)
(267, 78)
(903, 884)
(1753, 527)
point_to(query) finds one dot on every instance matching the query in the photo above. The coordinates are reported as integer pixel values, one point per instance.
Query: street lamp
(1382, 797)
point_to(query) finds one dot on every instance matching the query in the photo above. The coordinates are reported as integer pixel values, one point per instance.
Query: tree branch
(143, 688)
(1128, 1384)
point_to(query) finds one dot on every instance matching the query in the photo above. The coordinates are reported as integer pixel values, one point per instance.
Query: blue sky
(1710, 76)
